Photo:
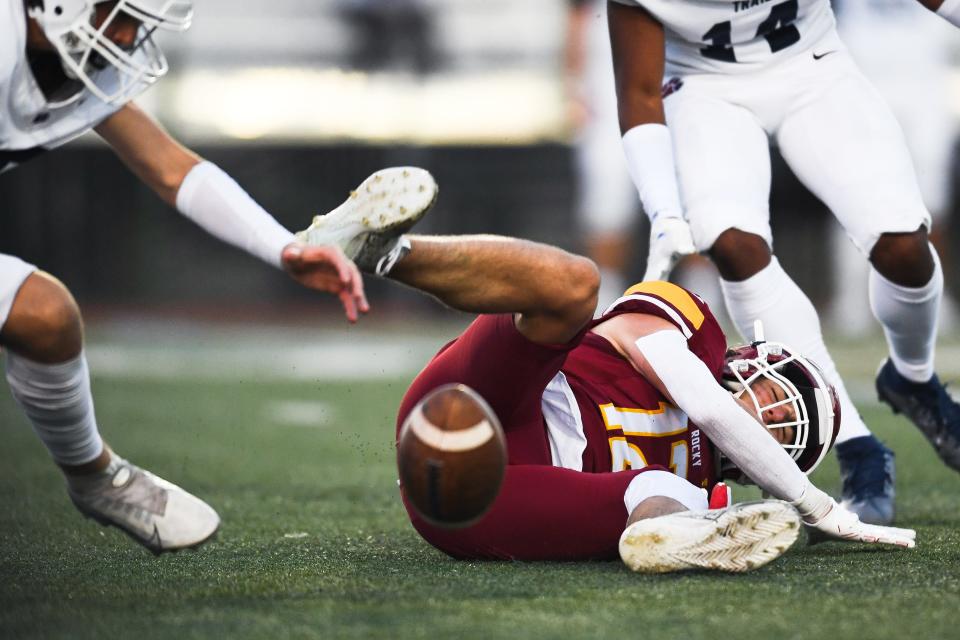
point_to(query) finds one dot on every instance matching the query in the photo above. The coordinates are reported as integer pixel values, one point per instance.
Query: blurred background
(505, 102)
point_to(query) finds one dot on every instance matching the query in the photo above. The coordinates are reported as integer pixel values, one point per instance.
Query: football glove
(833, 522)
(670, 240)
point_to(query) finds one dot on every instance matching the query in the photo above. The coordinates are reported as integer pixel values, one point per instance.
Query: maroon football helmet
(814, 401)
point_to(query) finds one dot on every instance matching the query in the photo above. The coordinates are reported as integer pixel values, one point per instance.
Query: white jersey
(27, 126)
(736, 36)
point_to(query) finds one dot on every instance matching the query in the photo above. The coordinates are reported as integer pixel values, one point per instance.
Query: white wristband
(214, 200)
(649, 151)
(711, 407)
(950, 11)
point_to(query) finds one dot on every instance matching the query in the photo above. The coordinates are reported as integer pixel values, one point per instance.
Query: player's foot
(158, 514)
(738, 538)
(368, 226)
(868, 472)
(928, 406)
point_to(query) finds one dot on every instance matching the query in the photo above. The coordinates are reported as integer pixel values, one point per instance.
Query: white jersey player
(726, 76)
(67, 66)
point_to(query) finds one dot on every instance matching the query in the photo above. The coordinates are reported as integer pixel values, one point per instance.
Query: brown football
(452, 456)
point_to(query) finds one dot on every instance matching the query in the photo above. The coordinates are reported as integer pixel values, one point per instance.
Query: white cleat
(738, 538)
(369, 224)
(158, 514)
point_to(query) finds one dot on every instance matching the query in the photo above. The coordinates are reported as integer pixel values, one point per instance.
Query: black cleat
(868, 473)
(928, 406)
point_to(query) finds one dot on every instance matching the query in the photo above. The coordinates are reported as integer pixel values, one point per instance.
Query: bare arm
(157, 159)
(209, 197)
(637, 42)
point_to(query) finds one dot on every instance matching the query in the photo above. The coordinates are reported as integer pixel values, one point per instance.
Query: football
(452, 456)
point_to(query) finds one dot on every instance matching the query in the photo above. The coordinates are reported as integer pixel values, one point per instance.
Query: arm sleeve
(712, 408)
(649, 151)
(214, 200)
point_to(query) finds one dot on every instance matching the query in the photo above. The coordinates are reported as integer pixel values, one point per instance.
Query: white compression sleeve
(727, 424)
(214, 200)
(950, 11)
(58, 403)
(649, 151)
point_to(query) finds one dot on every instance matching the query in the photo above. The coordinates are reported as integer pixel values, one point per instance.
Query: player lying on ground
(726, 77)
(71, 65)
(595, 412)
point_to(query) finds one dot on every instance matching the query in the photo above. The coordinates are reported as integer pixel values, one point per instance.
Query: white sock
(909, 318)
(651, 484)
(788, 316)
(57, 401)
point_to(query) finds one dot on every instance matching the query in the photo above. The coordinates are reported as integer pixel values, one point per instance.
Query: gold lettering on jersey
(743, 5)
(665, 420)
(678, 297)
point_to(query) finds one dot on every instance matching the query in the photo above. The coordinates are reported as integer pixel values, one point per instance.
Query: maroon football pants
(542, 512)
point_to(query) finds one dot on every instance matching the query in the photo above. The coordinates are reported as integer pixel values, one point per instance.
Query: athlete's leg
(553, 293)
(42, 334)
(846, 146)
(551, 513)
(43, 337)
(542, 513)
(654, 520)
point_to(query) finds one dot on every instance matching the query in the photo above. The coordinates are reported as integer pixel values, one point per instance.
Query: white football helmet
(814, 401)
(85, 51)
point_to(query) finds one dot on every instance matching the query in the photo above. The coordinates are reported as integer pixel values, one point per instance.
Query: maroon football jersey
(628, 424)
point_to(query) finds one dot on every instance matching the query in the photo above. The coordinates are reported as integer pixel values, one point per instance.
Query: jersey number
(778, 29)
(628, 456)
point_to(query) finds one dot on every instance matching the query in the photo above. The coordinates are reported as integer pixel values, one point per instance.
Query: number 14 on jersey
(777, 29)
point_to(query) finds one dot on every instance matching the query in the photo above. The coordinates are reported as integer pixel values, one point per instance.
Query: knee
(739, 255)
(44, 322)
(904, 258)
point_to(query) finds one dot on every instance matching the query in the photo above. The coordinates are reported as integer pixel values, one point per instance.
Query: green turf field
(315, 543)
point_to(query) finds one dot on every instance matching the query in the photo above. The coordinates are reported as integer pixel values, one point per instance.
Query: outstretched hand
(326, 268)
(670, 240)
(841, 524)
